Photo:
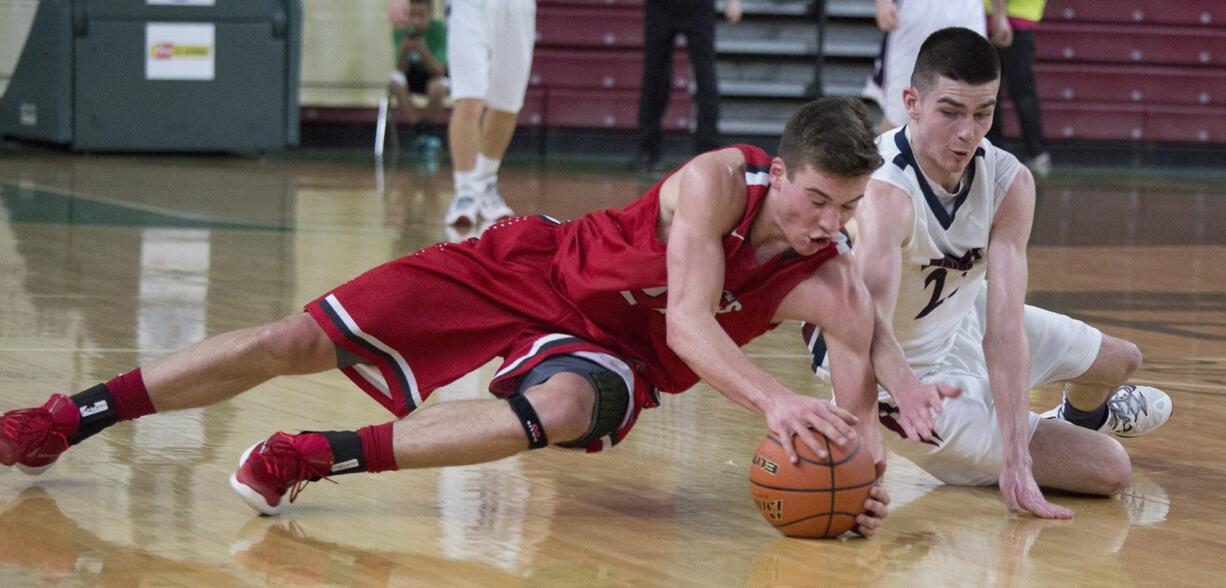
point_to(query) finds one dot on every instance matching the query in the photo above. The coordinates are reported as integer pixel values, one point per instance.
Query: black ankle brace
(98, 411)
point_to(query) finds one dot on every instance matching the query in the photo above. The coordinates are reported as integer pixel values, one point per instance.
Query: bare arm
(1002, 31)
(704, 200)
(835, 299)
(884, 221)
(1005, 347)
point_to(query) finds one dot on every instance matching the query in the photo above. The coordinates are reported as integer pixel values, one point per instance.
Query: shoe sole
(254, 499)
(28, 470)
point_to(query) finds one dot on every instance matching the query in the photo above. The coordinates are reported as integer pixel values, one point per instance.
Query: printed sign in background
(179, 51)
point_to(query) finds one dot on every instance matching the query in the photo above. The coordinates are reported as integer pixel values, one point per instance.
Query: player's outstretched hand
(793, 415)
(918, 406)
(1021, 492)
(877, 506)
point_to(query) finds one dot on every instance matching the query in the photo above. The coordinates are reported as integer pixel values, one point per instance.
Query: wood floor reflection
(107, 262)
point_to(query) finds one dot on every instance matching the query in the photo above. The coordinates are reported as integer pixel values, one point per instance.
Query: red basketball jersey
(611, 266)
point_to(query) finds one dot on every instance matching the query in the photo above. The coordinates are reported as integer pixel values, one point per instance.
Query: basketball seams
(791, 497)
(850, 455)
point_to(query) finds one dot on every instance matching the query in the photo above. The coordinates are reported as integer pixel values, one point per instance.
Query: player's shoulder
(997, 156)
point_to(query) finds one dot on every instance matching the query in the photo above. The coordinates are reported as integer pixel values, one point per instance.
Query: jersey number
(937, 277)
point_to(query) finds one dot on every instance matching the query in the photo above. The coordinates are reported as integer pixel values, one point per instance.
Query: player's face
(419, 15)
(948, 121)
(816, 205)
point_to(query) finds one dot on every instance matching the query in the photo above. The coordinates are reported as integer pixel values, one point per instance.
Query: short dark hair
(956, 53)
(430, 2)
(832, 134)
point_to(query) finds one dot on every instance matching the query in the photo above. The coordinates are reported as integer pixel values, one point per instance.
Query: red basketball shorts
(424, 320)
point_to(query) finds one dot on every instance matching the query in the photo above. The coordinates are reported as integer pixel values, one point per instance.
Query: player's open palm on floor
(1021, 492)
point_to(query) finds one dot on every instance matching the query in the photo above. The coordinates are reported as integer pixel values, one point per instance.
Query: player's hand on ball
(793, 415)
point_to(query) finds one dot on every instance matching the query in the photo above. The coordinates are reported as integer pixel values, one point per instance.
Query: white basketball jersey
(944, 261)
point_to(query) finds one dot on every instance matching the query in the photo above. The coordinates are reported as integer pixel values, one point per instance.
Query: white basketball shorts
(489, 50)
(970, 451)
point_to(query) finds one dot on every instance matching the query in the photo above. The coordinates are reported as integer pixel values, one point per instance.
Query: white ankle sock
(486, 168)
(465, 180)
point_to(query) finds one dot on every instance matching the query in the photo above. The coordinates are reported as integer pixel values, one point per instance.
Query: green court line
(38, 204)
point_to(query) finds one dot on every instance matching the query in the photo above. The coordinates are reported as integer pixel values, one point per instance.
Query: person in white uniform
(941, 242)
(489, 48)
(908, 23)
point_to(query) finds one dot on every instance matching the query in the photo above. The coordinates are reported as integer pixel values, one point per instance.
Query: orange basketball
(815, 497)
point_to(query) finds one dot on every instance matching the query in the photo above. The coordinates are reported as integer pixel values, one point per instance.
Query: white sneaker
(1136, 410)
(1132, 411)
(493, 207)
(463, 209)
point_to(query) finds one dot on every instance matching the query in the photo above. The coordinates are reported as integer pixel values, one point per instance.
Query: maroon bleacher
(588, 66)
(1148, 45)
(1207, 13)
(1059, 82)
(609, 109)
(614, 70)
(1131, 70)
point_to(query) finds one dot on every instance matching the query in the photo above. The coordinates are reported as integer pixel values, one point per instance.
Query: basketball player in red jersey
(591, 316)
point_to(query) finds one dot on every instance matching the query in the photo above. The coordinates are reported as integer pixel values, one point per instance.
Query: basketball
(815, 497)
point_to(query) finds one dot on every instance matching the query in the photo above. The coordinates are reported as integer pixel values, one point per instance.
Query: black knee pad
(612, 402)
(612, 397)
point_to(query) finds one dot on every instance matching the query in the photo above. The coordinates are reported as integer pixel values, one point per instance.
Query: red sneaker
(282, 463)
(33, 438)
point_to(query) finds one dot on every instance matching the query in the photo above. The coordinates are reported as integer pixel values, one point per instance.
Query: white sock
(486, 168)
(465, 181)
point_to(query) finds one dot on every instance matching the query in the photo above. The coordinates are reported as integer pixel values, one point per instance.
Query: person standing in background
(663, 20)
(909, 22)
(489, 46)
(1015, 45)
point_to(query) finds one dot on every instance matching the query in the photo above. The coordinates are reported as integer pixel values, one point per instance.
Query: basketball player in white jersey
(941, 242)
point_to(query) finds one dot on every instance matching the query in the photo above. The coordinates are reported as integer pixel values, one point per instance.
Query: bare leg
(436, 91)
(1068, 457)
(404, 104)
(1117, 360)
(476, 431)
(464, 133)
(497, 128)
(221, 367)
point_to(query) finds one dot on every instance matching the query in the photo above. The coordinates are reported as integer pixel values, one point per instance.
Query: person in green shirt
(421, 68)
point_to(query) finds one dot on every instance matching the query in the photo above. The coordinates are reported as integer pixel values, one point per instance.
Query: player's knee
(561, 407)
(436, 89)
(1125, 358)
(294, 345)
(1116, 468)
(1132, 357)
(565, 407)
